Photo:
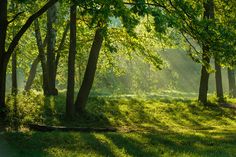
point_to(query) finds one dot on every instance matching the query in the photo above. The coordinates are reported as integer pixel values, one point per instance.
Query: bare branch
(15, 17)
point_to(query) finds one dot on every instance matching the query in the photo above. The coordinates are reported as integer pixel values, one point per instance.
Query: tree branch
(15, 17)
(63, 39)
(27, 24)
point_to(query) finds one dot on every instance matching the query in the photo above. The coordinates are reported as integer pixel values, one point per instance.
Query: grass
(148, 126)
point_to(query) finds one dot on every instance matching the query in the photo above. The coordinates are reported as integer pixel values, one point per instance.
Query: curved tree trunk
(71, 64)
(87, 83)
(232, 86)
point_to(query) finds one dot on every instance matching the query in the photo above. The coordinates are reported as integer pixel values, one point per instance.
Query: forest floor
(147, 126)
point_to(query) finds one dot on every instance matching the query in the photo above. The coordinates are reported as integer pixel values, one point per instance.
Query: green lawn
(147, 126)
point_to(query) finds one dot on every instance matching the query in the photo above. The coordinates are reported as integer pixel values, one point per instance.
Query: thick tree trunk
(3, 70)
(14, 89)
(71, 64)
(87, 83)
(219, 86)
(232, 86)
(51, 33)
(32, 73)
(203, 89)
(3, 61)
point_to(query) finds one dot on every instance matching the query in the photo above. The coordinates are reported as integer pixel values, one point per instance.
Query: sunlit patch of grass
(148, 126)
(164, 143)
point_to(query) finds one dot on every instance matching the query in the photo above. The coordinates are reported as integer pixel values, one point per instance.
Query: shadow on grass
(122, 144)
(57, 144)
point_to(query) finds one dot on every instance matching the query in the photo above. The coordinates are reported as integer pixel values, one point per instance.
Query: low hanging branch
(46, 128)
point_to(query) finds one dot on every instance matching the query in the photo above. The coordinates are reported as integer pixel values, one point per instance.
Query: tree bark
(71, 64)
(203, 89)
(63, 39)
(87, 83)
(3, 61)
(32, 73)
(3, 71)
(51, 33)
(232, 86)
(219, 86)
(42, 57)
(14, 89)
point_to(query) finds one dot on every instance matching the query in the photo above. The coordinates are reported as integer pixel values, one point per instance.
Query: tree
(71, 63)
(5, 53)
(36, 61)
(196, 19)
(51, 41)
(208, 14)
(232, 86)
(87, 83)
(101, 11)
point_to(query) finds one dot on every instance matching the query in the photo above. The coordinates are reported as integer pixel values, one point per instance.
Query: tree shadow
(132, 147)
(53, 143)
(185, 143)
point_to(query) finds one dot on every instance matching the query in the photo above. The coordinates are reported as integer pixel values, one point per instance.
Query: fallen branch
(46, 128)
(228, 105)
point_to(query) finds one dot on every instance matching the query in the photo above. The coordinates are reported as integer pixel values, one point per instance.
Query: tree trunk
(87, 83)
(51, 34)
(232, 87)
(60, 48)
(42, 57)
(219, 86)
(71, 64)
(203, 89)
(32, 73)
(3, 61)
(3, 70)
(14, 89)
(35, 63)
(6, 54)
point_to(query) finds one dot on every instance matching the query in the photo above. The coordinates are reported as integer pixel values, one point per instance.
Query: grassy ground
(148, 126)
